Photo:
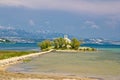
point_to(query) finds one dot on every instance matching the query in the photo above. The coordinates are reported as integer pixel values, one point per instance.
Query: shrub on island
(63, 44)
(86, 49)
(45, 45)
(75, 44)
(60, 43)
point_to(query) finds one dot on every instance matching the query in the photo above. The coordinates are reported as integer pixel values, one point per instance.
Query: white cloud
(80, 6)
(91, 24)
(31, 22)
(1, 27)
(7, 27)
(95, 26)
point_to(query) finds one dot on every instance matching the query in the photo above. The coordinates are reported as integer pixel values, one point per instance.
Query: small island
(64, 45)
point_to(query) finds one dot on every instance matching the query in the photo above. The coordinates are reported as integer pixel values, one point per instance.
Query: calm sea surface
(34, 46)
(19, 46)
(104, 63)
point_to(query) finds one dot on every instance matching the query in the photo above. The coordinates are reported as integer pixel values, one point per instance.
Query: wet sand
(4, 75)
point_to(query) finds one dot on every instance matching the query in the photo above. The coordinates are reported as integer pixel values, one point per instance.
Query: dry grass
(9, 54)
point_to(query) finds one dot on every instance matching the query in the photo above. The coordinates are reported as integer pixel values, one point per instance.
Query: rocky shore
(15, 60)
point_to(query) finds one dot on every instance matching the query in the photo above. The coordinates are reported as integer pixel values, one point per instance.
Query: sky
(81, 18)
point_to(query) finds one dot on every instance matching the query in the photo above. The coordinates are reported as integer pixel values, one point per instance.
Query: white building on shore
(67, 39)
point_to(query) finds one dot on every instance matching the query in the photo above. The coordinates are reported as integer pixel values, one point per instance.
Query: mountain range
(18, 35)
(10, 32)
(100, 41)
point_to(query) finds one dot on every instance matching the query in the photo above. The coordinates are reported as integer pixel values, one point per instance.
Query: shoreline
(15, 60)
(72, 51)
(5, 75)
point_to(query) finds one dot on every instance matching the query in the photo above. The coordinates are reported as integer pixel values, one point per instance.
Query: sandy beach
(5, 75)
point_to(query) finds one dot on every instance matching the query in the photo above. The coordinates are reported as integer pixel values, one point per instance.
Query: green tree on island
(45, 44)
(60, 43)
(56, 43)
(75, 44)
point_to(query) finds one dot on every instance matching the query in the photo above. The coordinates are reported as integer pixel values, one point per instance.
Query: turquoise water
(19, 46)
(34, 46)
(104, 63)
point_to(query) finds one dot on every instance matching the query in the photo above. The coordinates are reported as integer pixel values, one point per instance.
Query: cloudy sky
(82, 18)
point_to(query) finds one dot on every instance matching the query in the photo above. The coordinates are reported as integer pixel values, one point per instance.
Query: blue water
(34, 46)
(19, 46)
(101, 45)
(104, 63)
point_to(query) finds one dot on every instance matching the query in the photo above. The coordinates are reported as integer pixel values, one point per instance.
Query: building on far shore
(67, 39)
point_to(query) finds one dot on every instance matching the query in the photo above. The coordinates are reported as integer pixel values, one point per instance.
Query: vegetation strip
(14, 60)
(10, 54)
(63, 44)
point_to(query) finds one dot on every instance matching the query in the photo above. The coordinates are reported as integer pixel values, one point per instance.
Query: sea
(34, 46)
(20, 46)
(103, 63)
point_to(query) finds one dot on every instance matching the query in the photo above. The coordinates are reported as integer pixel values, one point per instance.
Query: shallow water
(104, 64)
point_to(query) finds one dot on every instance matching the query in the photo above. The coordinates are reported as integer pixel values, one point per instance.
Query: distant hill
(25, 34)
(2, 40)
(100, 41)
(18, 35)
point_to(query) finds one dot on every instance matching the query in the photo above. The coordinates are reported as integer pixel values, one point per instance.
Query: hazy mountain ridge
(18, 35)
(100, 41)
(2, 40)
(25, 34)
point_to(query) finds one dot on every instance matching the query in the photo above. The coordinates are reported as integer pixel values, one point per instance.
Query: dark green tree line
(75, 44)
(60, 43)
